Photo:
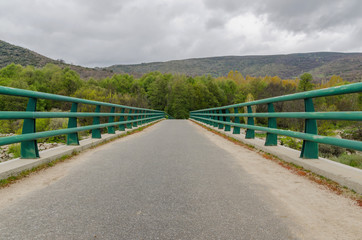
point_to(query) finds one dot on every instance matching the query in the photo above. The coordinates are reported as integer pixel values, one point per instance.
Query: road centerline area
(169, 182)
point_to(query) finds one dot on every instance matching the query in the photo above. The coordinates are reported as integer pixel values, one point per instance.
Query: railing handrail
(37, 135)
(346, 143)
(344, 89)
(29, 149)
(348, 115)
(41, 95)
(220, 117)
(24, 114)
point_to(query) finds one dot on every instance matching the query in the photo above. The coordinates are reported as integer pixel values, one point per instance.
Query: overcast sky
(106, 32)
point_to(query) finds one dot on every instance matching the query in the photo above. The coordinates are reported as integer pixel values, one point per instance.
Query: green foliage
(175, 94)
(305, 83)
(15, 149)
(291, 142)
(354, 160)
(178, 100)
(329, 151)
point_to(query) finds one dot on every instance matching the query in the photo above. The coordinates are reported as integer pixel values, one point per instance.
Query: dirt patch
(318, 213)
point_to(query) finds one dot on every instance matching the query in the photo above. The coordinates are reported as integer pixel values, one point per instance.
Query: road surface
(168, 182)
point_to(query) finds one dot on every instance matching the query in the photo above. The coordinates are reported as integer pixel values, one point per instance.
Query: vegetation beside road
(177, 95)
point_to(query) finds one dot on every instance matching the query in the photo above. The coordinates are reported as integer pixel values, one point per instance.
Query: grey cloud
(215, 23)
(296, 15)
(102, 33)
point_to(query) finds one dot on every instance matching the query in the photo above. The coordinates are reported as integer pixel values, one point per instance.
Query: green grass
(354, 160)
(260, 135)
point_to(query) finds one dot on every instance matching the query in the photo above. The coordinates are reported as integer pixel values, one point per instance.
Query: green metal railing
(28, 138)
(220, 117)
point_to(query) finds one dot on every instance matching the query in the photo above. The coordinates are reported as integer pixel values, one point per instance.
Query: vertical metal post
(122, 126)
(221, 118)
(129, 118)
(141, 117)
(145, 115)
(250, 133)
(111, 129)
(309, 149)
(72, 138)
(211, 123)
(96, 133)
(271, 138)
(215, 118)
(237, 120)
(227, 119)
(135, 124)
(29, 149)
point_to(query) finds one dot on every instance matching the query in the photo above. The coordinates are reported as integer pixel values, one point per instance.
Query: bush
(328, 151)
(291, 142)
(354, 160)
(15, 149)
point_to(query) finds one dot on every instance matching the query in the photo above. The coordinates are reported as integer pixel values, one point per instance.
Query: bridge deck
(169, 182)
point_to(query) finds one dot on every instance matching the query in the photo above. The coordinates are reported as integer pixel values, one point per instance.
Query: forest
(178, 94)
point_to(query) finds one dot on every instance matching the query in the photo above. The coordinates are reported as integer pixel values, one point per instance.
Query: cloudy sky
(106, 32)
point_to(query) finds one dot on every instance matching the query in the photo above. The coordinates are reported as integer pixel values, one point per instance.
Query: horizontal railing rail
(345, 89)
(61, 98)
(128, 117)
(221, 117)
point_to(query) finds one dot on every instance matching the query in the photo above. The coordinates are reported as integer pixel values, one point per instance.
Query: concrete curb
(344, 175)
(16, 166)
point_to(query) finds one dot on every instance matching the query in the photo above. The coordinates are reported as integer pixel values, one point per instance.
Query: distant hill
(14, 54)
(321, 65)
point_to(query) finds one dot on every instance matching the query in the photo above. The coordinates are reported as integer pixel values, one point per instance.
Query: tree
(305, 83)
(179, 99)
(157, 93)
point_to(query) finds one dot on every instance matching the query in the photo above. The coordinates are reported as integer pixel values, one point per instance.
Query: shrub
(354, 160)
(291, 142)
(330, 151)
(15, 149)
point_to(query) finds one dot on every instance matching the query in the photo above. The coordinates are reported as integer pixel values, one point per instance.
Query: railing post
(96, 133)
(215, 118)
(202, 120)
(129, 118)
(227, 119)
(271, 138)
(309, 149)
(237, 120)
(207, 117)
(111, 129)
(145, 115)
(72, 138)
(29, 149)
(250, 133)
(221, 118)
(141, 117)
(135, 124)
(121, 127)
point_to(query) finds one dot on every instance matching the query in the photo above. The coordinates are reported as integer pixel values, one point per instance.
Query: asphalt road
(169, 182)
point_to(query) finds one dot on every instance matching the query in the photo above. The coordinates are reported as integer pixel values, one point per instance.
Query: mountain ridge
(322, 65)
(10, 53)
